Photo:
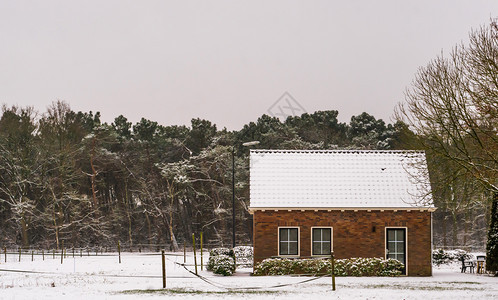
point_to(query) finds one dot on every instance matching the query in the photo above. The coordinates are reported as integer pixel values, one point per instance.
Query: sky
(225, 61)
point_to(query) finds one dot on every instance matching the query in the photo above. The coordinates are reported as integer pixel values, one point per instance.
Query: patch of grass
(420, 287)
(463, 282)
(196, 292)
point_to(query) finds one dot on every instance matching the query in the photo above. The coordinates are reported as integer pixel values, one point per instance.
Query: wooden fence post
(201, 253)
(32, 255)
(164, 268)
(62, 252)
(195, 256)
(332, 262)
(5, 252)
(43, 254)
(53, 254)
(184, 253)
(119, 251)
(20, 249)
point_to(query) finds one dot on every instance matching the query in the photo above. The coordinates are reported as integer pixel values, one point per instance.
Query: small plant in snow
(221, 264)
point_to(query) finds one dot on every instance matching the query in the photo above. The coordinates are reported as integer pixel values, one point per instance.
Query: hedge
(343, 267)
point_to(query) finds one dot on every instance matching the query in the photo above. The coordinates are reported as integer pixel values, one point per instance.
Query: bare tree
(453, 106)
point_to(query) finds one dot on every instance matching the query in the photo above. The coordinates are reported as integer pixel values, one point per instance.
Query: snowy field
(139, 276)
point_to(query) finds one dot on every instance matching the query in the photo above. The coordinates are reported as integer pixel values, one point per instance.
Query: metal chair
(467, 264)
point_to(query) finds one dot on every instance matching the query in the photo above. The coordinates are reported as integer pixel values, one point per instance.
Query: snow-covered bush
(391, 267)
(369, 267)
(218, 262)
(221, 261)
(275, 266)
(440, 256)
(342, 267)
(220, 251)
(221, 264)
(244, 256)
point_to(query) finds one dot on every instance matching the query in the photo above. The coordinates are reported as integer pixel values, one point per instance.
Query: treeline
(67, 176)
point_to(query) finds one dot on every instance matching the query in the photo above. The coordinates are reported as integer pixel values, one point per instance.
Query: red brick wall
(353, 234)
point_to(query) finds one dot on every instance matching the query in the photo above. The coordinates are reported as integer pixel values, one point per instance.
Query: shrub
(221, 264)
(342, 267)
(221, 251)
(440, 256)
(243, 256)
(275, 266)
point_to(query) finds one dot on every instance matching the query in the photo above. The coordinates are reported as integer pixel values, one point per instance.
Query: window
(288, 241)
(321, 243)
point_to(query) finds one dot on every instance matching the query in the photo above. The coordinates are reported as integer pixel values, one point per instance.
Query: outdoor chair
(467, 264)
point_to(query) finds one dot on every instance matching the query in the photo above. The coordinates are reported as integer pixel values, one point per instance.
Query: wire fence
(12, 256)
(467, 248)
(125, 247)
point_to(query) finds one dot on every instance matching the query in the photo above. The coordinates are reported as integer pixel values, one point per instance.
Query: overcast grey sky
(225, 61)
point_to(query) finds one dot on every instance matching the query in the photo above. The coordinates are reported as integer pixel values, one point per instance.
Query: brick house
(356, 203)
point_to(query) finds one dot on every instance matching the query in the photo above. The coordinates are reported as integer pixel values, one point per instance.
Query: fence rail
(471, 248)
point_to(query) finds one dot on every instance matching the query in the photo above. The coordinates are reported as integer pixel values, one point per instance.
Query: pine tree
(492, 246)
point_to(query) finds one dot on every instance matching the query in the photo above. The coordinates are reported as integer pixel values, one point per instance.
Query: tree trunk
(467, 220)
(171, 192)
(445, 242)
(148, 228)
(24, 232)
(92, 177)
(172, 236)
(454, 231)
(56, 231)
(127, 207)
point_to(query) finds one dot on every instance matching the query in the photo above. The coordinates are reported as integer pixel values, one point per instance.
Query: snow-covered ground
(139, 276)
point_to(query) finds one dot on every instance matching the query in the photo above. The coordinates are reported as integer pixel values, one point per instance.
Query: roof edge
(333, 151)
(430, 208)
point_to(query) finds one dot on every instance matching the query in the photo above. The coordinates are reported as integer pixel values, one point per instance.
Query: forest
(65, 176)
(68, 178)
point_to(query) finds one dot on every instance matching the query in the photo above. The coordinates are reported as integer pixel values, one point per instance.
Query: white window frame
(298, 241)
(331, 240)
(406, 244)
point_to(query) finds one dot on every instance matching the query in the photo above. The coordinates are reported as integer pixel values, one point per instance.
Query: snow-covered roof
(339, 179)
